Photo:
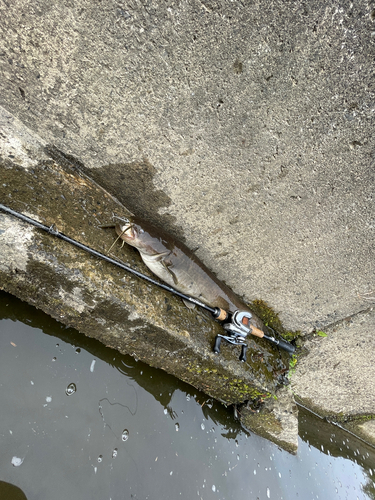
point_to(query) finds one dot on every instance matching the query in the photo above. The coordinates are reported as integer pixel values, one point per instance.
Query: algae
(271, 319)
(321, 334)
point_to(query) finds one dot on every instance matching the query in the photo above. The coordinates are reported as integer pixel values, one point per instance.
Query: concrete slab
(335, 378)
(366, 430)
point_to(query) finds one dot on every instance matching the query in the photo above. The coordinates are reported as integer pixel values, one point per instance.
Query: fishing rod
(236, 325)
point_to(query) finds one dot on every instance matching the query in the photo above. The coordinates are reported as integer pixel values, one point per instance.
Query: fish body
(175, 264)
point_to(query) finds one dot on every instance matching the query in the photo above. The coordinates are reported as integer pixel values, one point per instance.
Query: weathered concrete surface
(104, 302)
(246, 127)
(336, 378)
(279, 419)
(257, 117)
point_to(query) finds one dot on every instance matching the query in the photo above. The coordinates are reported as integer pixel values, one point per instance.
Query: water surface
(79, 420)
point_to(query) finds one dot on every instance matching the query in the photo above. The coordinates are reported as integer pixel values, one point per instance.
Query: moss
(271, 319)
(321, 334)
(341, 418)
(224, 388)
(336, 418)
(292, 366)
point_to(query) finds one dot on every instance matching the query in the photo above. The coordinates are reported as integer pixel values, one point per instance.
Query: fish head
(132, 232)
(126, 231)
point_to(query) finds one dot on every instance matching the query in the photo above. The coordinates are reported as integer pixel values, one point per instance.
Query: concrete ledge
(279, 419)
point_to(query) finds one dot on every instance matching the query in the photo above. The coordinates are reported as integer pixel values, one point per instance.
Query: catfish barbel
(175, 264)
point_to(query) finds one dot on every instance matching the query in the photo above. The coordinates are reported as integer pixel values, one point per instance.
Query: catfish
(175, 264)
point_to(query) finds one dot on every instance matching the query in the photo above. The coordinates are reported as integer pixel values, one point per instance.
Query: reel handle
(216, 348)
(217, 344)
(243, 353)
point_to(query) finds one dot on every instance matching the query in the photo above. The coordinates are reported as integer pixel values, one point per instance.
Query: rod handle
(220, 314)
(283, 344)
(256, 331)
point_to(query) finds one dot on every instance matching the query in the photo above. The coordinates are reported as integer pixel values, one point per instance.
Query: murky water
(79, 420)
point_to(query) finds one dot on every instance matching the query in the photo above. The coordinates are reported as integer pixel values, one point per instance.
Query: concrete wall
(255, 120)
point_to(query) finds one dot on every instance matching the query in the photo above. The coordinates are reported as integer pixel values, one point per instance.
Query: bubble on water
(100, 458)
(31, 382)
(78, 350)
(238, 457)
(48, 399)
(171, 472)
(187, 398)
(125, 435)
(213, 488)
(203, 426)
(268, 493)
(255, 472)
(177, 427)
(114, 453)
(16, 461)
(54, 358)
(165, 411)
(71, 389)
(92, 365)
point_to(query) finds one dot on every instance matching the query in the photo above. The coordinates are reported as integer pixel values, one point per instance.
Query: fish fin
(168, 268)
(188, 304)
(160, 257)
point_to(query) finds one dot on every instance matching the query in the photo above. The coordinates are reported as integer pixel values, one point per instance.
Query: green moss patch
(271, 319)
